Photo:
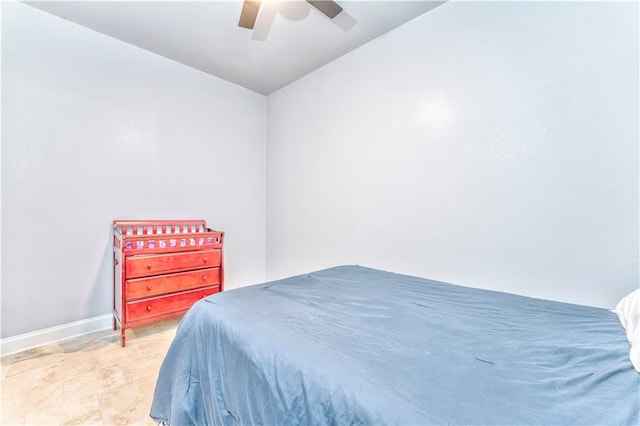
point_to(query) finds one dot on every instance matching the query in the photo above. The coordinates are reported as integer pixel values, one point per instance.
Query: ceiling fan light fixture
(251, 8)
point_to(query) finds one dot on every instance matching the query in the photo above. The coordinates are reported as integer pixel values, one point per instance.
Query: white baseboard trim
(22, 342)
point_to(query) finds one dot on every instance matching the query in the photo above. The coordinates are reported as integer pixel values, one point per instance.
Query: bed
(354, 345)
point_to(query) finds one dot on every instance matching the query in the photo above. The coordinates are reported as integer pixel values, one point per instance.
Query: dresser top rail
(158, 222)
(159, 227)
(159, 236)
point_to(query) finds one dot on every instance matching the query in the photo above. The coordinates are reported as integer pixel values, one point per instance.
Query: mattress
(353, 345)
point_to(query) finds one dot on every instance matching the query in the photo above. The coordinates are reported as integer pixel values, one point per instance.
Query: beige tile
(152, 329)
(14, 405)
(30, 364)
(11, 418)
(16, 384)
(79, 364)
(92, 417)
(89, 342)
(142, 366)
(156, 344)
(6, 361)
(104, 378)
(48, 376)
(128, 398)
(83, 412)
(86, 380)
(66, 415)
(121, 417)
(134, 416)
(44, 396)
(39, 352)
(19, 399)
(113, 354)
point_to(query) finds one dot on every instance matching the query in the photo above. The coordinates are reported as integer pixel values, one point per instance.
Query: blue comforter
(352, 345)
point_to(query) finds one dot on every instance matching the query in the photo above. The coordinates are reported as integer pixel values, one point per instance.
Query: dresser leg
(122, 338)
(115, 323)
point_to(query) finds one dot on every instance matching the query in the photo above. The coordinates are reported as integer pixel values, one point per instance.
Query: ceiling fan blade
(328, 7)
(249, 14)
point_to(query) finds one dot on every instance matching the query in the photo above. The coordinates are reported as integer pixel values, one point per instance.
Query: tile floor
(86, 380)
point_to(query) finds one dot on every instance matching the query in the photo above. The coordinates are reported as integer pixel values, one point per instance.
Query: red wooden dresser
(161, 268)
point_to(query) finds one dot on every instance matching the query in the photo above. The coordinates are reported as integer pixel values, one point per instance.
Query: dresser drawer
(174, 303)
(141, 266)
(146, 287)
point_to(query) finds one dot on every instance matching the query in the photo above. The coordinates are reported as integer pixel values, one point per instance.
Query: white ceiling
(205, 34)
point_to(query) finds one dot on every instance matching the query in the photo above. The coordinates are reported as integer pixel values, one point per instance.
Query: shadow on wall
(101, 297)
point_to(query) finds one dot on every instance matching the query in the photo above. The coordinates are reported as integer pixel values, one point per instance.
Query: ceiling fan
(250, 9)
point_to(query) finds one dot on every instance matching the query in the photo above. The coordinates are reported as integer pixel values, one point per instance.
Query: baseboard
(45, 336)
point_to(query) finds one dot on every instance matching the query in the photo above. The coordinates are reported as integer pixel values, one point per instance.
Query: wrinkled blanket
(352, 345)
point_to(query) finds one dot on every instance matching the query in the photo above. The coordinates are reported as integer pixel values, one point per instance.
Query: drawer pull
(204, 278)
(149, 308)
(148, 266)
(204, 259)
(148, 286)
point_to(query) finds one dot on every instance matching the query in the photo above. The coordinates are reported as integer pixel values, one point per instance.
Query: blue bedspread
(352, 345)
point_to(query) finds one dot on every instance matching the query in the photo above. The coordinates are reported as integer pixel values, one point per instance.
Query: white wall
(489, 144)
(94, 130)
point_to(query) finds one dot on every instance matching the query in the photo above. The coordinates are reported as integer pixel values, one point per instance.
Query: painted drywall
(489, 144)
(94, 130)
